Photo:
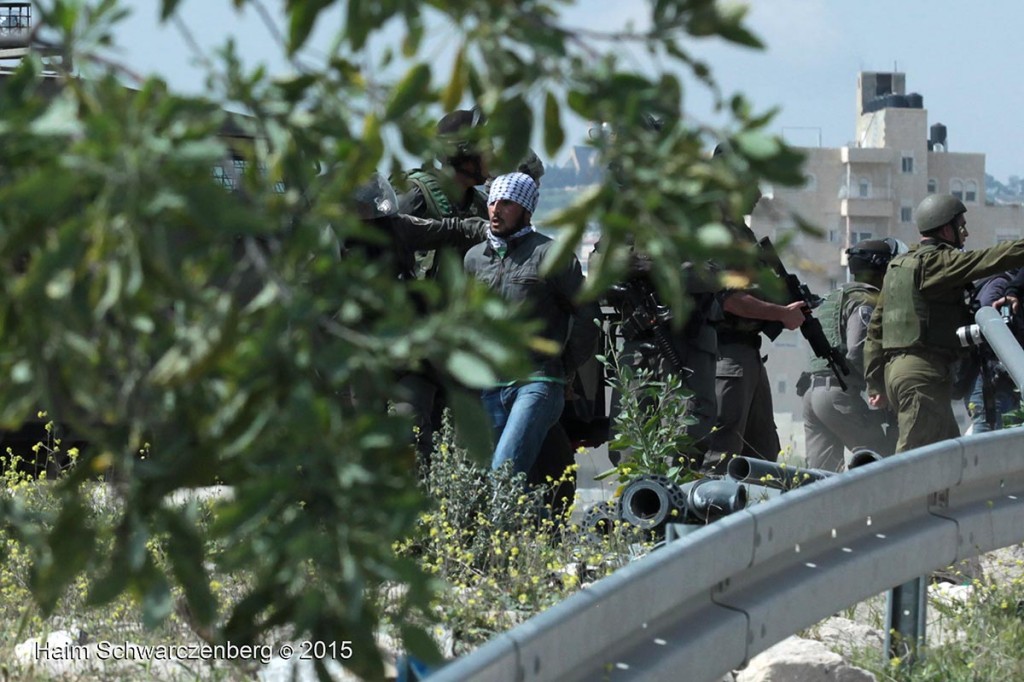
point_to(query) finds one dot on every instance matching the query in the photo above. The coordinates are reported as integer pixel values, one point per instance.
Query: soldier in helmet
(451, 192)
(834, 418)
(912, 344)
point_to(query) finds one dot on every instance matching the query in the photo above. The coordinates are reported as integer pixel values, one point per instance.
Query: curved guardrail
(709, 602)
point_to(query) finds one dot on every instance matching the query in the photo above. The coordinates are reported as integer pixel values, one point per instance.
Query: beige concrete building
(869, 189)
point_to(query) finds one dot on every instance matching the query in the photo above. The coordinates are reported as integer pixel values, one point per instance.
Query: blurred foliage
(650, 428)
(195, 335)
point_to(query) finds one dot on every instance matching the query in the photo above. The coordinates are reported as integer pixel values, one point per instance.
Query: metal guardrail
(707, 603)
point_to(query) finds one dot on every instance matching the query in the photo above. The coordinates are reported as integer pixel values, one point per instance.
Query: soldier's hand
(878, 402)
(793, 315)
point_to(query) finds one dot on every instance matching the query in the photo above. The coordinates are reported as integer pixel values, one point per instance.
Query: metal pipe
(772, 475)
(1003, 343)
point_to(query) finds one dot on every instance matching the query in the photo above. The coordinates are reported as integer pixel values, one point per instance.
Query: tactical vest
(439, 206)
(911, 321)
(833, 314)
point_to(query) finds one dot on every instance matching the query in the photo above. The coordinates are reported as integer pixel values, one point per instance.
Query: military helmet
(874, 254)
(937, 210)
(455, 128)
(376, 198)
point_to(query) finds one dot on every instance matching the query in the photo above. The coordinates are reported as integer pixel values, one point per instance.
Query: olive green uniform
(834, 419)
(912, 345)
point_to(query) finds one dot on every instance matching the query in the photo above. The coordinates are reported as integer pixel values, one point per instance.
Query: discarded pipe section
(599, 519)
(709, 499)
(771, 475)
(649, 503)
(862, 457)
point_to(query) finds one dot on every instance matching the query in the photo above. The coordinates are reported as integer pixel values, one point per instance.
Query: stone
(801, 660)
(845, 636)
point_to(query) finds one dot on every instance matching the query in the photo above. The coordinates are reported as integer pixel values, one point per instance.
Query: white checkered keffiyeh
(517, 187)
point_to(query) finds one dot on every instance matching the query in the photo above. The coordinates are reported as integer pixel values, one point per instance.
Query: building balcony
(866, 207)
(876, 155)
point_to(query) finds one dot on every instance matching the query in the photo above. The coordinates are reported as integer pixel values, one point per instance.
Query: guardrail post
(905, 620)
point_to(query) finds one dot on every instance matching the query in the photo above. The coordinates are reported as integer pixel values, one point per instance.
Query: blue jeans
(1005, 401)
(521, 416)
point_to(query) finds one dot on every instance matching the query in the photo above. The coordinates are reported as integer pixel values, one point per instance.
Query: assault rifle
(641, 313)
(811, 328)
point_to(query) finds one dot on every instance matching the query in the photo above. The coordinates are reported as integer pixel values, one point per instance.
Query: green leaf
(411, 91)
(554, 136)
(471, 370)
(157, 601)
(420, 644)
(185, 550)
(70, 545)
(452, 94)
(303, 15)
(472, 425)
(757, 145)
(167, 8)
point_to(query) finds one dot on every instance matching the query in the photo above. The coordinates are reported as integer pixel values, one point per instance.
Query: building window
(906, 214)
(864, 188)
(782, 387)
(970, 191)
(859, 237)
(833, 236)
(907, 164)
(956, 188)
(221, 177)
(933, 185)
(833, 284)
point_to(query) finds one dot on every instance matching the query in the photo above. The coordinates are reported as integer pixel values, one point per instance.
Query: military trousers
(836, 420)
(746, 416)
(919, 386)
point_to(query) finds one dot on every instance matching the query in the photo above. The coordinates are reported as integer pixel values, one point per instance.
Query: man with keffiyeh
(509, 262)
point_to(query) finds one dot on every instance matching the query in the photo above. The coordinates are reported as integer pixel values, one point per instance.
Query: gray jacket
(548, 299)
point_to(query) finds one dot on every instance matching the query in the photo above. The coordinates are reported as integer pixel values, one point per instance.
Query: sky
(959, 56)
